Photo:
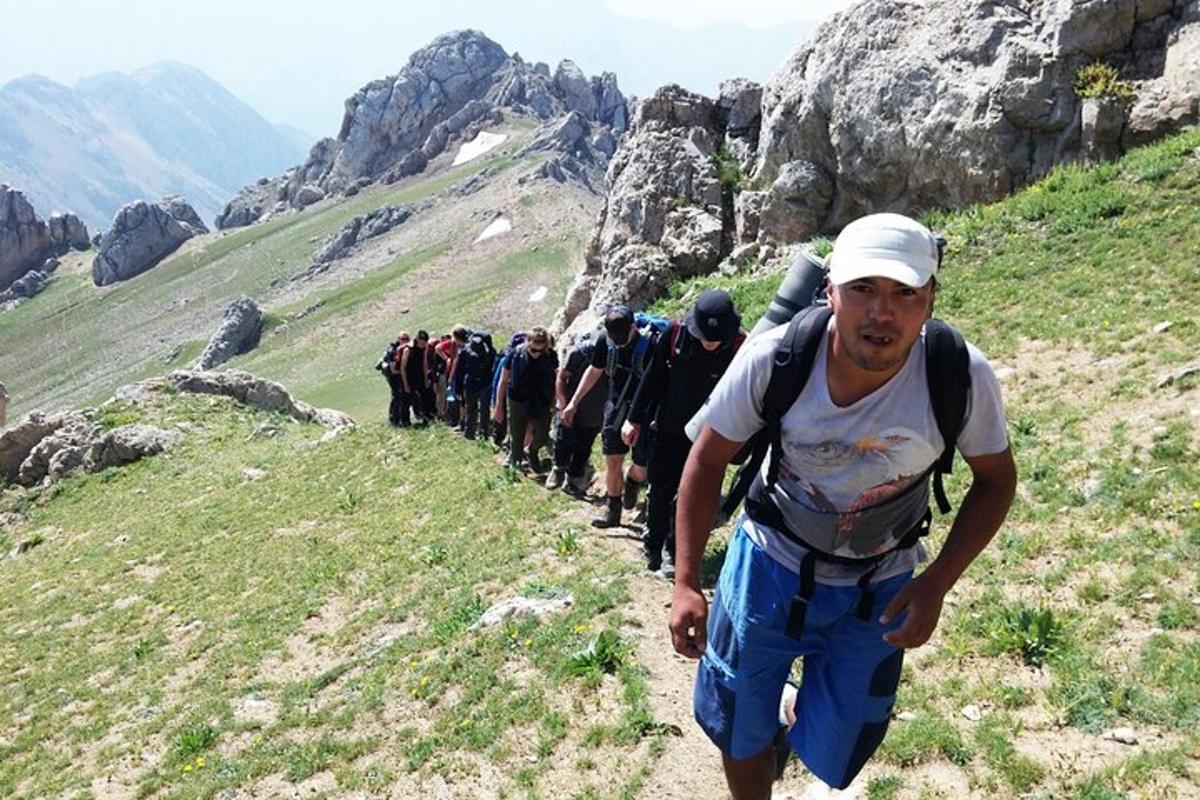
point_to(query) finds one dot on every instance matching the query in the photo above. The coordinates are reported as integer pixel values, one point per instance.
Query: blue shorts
(850, 673)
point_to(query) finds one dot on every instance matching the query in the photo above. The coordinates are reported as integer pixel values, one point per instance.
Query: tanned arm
(993, 485)
(699, 496)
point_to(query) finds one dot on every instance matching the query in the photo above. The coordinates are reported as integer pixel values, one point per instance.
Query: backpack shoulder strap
(793, 362)
(676, 339)
(948, 374)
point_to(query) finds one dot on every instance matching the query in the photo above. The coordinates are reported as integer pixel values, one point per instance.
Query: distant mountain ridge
(113, 138)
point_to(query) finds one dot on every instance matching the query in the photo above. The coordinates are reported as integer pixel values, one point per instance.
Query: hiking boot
(611, 517)
(653, 559)
(576, 487)
(668, 566)
(629, 497)
(537, 465)
(555, 479)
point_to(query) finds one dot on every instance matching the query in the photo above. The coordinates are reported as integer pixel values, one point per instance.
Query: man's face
(535, 349)
(710, 346)
(878, 320)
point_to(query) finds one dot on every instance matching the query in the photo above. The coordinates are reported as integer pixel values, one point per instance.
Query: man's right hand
(568, 414)
(689, 621)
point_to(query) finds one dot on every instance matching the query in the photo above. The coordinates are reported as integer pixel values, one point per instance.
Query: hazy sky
(296, 61)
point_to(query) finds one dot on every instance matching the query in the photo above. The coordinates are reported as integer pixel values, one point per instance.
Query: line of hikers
(634, 383)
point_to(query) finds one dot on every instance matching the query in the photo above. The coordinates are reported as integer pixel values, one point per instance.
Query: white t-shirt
(852, 477)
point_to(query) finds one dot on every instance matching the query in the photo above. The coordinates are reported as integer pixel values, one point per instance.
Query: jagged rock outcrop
(903, 106)
(667, 214)
(67, 232)
(239, 332)
(447, 92)
(23, 288)
(359, 229)
(43, 448)
(24, 238)
(142, 235)
(179, 208)
(246, 389)
(27, 242)
(897, 105)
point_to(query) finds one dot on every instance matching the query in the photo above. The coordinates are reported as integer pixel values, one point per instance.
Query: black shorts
(610, 435)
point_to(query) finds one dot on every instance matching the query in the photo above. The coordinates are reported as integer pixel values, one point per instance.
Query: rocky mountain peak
(447, 92)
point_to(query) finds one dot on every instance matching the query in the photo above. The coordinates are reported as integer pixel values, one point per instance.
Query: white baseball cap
(886, 246)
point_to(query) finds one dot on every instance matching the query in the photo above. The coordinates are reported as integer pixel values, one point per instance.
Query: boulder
(126, 444)
(42, 449)
(17, 442)
(913, 106)
(361, 228)
(247, 389)
(308, 195)
(797, 202)
(142, 235)
(67, 232)
(24, 238)
(23, 288)
(692, 240)
(179, 208)
(239, 332)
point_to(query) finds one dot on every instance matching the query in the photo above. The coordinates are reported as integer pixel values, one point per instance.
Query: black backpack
(948, 376)
(388, 358)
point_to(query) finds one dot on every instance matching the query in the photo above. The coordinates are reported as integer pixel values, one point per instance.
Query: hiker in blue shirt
(821, 565)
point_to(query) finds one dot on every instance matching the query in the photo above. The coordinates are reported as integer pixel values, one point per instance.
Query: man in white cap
(821, 565)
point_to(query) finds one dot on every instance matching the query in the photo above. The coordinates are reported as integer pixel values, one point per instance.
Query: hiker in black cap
(622, 353)
(689, 360)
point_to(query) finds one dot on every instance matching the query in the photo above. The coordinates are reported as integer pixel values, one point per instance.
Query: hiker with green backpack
(859, 405)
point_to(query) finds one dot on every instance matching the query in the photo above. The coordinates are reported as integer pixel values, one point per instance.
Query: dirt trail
(689, 767)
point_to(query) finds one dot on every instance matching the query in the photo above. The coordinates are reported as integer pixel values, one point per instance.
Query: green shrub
(604, 654)
(1100, 80)
(729, 171)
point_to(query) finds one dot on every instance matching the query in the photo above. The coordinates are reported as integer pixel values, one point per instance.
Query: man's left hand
(921, 601)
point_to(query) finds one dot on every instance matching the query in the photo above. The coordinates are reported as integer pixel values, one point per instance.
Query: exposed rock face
(44, 448)
(27, 243)
(447, 92)
(667, 214)
(361, 228)
(142, 235)
(67, 232)
(903, 106)
(24, 239)
(23, 288)
(179, 208)
(239, 332)
(246, 389)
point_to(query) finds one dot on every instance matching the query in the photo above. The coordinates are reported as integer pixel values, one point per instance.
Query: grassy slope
(1066, 282)
(186, 627)
(75, 343)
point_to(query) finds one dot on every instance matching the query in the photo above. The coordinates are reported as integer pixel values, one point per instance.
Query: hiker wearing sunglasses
(527, 392)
